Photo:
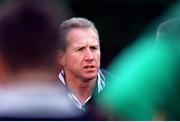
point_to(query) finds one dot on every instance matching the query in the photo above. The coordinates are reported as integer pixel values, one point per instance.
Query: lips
(89, 67)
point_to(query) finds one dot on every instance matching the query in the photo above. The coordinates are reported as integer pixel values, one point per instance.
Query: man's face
(81, 59)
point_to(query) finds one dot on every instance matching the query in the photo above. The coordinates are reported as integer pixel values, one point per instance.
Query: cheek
(72, 59)
(98, 58)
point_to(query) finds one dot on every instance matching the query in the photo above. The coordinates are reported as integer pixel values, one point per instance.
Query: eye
(94, 48)
(80, 49)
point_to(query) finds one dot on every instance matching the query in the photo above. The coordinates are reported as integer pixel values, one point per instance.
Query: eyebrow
(77, 47)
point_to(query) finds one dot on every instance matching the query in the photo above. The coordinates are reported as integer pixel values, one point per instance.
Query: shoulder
(105, 72)
(107, 75)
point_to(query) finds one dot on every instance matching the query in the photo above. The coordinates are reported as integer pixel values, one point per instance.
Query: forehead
(82, 36)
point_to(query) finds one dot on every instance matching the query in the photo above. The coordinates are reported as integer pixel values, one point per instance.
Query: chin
(90, 77)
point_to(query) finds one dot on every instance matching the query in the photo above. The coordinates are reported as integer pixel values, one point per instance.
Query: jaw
(88, 76)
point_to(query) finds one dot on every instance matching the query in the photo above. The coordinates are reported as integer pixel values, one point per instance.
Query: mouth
(89, 67)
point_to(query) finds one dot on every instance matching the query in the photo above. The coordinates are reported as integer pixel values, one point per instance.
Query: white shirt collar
(100, 86)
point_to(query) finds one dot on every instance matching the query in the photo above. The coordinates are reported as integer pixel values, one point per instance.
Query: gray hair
(75, 22)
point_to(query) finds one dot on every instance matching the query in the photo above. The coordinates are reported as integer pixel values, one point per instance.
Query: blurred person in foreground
(148, 83)
(80, 58)
(30, 89)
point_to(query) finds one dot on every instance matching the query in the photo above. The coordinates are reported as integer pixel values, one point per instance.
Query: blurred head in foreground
(28, 32)
(28, 62)
(169, 32)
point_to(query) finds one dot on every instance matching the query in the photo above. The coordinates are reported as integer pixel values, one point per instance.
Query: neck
(80, 88)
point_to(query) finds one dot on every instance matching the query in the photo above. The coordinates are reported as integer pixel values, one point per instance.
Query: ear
(61, 58)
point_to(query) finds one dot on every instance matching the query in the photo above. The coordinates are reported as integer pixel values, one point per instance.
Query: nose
(89, 55)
